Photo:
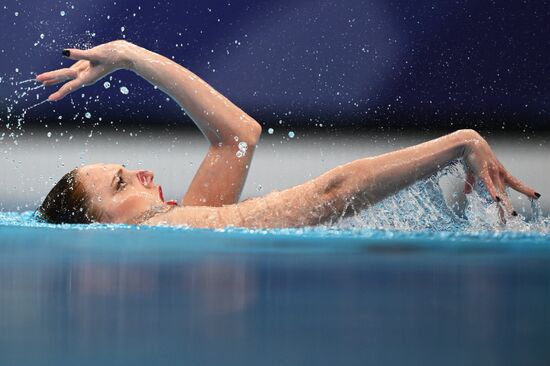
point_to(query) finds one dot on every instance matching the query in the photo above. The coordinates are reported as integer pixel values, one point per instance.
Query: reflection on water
(65, 301)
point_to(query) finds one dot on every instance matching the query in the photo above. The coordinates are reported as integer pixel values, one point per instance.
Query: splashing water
(422, 207)
(34, 105)
(15, 116)
(25, 81)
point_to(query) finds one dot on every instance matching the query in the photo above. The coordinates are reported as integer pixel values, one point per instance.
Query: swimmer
(111, 193)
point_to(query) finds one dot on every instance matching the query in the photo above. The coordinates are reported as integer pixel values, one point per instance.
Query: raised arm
(231, 132)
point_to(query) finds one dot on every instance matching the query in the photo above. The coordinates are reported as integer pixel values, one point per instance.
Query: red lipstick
(171, 202)
(160, 194)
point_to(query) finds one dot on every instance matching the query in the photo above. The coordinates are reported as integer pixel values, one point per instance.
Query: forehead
(98, 174)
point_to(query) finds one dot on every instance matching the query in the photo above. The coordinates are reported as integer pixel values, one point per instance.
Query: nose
(145, 177)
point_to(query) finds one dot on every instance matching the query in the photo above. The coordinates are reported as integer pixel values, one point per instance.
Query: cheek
(129, 203)
(132, 201)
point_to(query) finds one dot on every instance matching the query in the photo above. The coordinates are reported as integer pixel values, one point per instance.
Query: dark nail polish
(498, 198)
(66, 53)
(537, 194)
(514, 213)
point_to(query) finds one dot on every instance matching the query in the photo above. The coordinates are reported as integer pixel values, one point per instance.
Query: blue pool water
(121, 295)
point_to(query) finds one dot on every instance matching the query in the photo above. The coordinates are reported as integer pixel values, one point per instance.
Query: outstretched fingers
(66, 89)
(496, 189)
(50, 82)
(519, 186)
(497, 194)
(56, 76)
(505, 199)
(488, 182)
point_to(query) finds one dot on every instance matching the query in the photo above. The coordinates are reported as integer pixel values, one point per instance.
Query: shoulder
(192, 216)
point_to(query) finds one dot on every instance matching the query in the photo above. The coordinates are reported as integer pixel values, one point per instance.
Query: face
(118, 193)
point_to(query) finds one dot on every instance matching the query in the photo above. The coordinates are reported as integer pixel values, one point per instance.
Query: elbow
(255, 133)
(468, 134)
(250, 134)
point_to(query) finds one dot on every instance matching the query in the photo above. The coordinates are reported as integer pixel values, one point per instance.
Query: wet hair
(67, 202)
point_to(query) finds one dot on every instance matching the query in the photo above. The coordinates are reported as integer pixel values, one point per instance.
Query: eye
(120, 184)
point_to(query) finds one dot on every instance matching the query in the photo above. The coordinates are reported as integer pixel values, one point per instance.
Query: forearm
(219, 119)
(377, 177)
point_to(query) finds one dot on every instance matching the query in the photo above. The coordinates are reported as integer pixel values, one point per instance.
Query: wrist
(468, 139)
(127, 54)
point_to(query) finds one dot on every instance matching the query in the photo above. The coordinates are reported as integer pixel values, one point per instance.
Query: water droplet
(124, 90)
(270, 131)
(87, 115)
(122, 29)
(259, 187)
(16, 13)
(291, 134)
(41, 35)
(106, 85)
(62, 13)
(243, 146)
(49, 134)
(239, 154)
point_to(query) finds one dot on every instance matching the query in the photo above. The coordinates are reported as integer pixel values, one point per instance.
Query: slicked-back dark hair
(67, 202)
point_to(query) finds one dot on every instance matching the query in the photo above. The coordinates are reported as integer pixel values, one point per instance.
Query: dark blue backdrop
(429, 64)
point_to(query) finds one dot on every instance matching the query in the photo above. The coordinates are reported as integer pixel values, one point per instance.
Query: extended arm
(356, 185)
(366, 181)
(231, 132)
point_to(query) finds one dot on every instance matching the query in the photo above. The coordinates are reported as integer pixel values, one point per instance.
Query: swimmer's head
(105, 193)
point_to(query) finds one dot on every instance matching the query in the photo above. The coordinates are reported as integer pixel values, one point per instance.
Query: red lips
(171, 202)
(160, 194)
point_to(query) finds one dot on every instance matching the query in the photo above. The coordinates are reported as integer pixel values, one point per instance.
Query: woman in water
(110, 193)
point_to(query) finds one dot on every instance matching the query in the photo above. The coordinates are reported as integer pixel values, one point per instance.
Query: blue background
(364, 64)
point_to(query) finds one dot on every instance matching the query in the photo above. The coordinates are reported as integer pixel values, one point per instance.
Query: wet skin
(119, 194)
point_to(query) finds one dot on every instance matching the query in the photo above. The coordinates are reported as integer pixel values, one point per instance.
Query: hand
(92, 65)
(482, 163)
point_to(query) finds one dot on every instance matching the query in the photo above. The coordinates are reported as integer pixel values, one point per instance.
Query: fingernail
(498, 198)
(514, 213)
(537, 194)
(66, 53)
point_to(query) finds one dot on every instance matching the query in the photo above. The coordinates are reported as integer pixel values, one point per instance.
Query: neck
(148, 214)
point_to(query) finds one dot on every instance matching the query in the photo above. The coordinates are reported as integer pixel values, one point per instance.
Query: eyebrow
(118, 173)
